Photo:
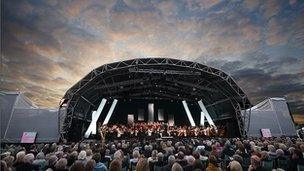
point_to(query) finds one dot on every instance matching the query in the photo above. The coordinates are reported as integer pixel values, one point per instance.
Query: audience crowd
(177, 154)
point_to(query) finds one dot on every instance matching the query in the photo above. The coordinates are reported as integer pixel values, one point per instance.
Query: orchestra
(158, 130)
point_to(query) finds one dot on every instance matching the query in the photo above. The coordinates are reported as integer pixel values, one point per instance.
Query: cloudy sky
(47, 46)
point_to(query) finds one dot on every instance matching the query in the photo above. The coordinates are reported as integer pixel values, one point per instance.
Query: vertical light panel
(188, 113)
(140, 115)
(204, 110)
(110, 112)
(202, 121)
(150, 112)
(130, 119)
(161, 115)
(95, 116)
(171, 120)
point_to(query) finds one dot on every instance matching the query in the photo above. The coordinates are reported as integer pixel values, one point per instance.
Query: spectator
(77, 166)
(99, 165)
(27, 164)
(171, 160)
(255, 164)
(115, 165)
(142, 165)
(213, 166)
(176, 167)
(90, 165)
(40, 161)
(61, 165)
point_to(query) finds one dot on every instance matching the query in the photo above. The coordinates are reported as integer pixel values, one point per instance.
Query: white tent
(273, 114)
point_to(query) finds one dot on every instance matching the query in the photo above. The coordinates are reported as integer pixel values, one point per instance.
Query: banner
(28, 137)
(266, 132)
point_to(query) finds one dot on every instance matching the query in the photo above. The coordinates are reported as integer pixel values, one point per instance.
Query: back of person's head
(176, 167)
(180, 155)
(90, 165)
(297, 154)
(53, 159)
(212, 159)
(238, 158)
(280, 152)
(190, 160)
(115, 165)
(160, 157)
(61, 164)
(29, 158)
(96, 157)
(235, 166)
(136, 154)
(264, 155)
(89, 152)
(255, 161)
(118, 155)
(142, 165)
(196, 155)
(3, 165)
(82, 155)
(19, 156)
(77, 166)
(171, 159)
(9, 160)
(198, 164)
(40, 155)
(154, 154)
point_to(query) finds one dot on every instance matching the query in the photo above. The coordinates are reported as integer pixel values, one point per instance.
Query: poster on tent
(266, 132)
(28, 137)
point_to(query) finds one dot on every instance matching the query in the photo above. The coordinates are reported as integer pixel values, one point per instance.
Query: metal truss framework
(156, 78)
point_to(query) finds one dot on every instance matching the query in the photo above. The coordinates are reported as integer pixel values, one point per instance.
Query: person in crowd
(40, 161)
(77, 166)
(171, 160)
(99, 165)
(296, 160)
(90, 165)
(190, 163)
(256, 164)
(176, 167)
(142, 165)
(82, 157)
(234, 166)
(9, 160)
(61, 165)
(27, 164)
(213, 165)
(115, 165)
(19, 159)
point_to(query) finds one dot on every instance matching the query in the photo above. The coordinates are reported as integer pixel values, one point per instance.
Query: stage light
(110, 112)
(188, 113)
(95, 116)
(206, 114)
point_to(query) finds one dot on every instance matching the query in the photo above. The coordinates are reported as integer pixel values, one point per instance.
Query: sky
(47, 46)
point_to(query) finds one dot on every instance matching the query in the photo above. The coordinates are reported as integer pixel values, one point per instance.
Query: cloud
(49, 45)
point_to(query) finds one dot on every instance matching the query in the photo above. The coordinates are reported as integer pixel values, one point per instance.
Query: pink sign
(28, 137)
(266, 132)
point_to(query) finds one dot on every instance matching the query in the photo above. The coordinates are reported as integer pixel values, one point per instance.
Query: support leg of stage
(204, 110)
(110, 112)
(95, 116)
(188, 113)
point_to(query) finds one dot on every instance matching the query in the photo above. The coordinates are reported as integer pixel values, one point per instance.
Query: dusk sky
(48, 45)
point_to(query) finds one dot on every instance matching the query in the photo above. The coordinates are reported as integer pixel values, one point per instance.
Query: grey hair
(171, 159)
(29, 158)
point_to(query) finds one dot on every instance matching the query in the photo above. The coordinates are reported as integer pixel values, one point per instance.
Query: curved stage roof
(158, 79)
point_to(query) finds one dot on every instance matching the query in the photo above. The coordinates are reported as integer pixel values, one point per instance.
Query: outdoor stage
(154, 89)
